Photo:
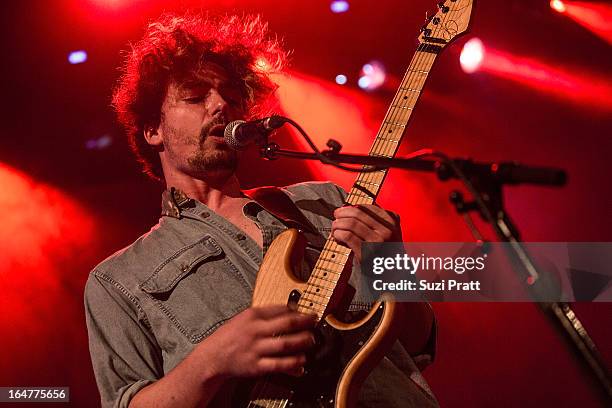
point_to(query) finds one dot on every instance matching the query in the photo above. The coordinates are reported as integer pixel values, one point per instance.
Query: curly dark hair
(173, 50)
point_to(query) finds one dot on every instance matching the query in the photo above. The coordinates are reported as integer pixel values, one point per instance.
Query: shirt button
(240, 237)
(205, 214)
(184, 267)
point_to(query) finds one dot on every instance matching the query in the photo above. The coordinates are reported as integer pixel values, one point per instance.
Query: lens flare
(472, 55)
(558, 6)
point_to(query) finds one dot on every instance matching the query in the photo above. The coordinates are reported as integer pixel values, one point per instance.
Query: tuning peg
(426, 31)
(442, 6)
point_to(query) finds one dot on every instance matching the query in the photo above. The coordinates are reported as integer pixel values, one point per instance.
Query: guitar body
(345, 352)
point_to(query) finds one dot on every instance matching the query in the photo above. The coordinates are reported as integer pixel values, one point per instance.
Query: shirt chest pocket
(196, 290)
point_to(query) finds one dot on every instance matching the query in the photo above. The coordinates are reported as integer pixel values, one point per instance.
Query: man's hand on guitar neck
(370, 223)
(365, 223)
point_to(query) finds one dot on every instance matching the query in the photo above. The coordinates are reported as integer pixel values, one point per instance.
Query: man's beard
(216, 157)
(221, 160)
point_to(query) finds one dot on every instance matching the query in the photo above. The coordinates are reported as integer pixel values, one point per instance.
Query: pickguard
(324, 368)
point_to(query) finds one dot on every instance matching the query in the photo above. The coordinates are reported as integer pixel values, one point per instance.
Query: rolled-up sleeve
(124, 353)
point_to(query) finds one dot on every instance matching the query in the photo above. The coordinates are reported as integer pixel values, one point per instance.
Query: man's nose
(217, 104)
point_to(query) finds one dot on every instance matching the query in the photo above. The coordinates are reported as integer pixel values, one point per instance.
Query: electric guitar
(346, 352)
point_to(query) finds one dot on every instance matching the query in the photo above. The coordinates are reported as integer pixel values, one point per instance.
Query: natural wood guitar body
(345, 352)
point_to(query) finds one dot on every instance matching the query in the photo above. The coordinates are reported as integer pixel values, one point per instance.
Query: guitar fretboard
(334, 256)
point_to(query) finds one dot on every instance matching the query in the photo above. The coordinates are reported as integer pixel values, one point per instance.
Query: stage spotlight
(577, 84)
(373, 76)
(594, 16)
(100, 143)
(472, 54)
(339, 6)
(341, 79)
(557, 5)
(77, 57)
(364, 82)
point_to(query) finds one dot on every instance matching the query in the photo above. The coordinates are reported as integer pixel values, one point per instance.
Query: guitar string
(429, 59)
(369, 177)
(422, 56)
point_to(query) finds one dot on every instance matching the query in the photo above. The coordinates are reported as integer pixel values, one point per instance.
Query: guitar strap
(277, 202)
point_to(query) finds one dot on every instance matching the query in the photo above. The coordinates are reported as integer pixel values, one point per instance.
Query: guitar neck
(328, 270)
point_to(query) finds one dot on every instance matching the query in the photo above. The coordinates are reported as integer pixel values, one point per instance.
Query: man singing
(169, 317)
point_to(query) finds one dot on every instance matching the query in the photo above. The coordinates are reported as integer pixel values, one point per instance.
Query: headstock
(450, 21)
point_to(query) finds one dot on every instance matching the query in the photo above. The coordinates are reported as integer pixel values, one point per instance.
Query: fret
(308, 310)
(330, 261)
(321, 287)
(317, 294)
(367, 182)
(380, 155)
(311, 301)
(313, 275)
(360, 195)
(326, 270)
(418, 71)
(386, 139)
(401, 107)
(336, 252)
(304, 308)
(396, 124)
(410, 90)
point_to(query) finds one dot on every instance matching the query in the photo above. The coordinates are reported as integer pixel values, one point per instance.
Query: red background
(64, 208)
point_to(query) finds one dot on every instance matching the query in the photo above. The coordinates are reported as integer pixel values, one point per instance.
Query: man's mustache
(220, 120)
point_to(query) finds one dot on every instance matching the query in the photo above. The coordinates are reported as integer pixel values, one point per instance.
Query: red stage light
(373, 76)
(326, 110)
(557, 5)
(40, 225)
(595, 17)
(109, 4)
(577, 86)
(472, 54)
(46, 238)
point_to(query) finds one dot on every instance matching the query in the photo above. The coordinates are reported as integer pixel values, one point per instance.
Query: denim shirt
(148, 305)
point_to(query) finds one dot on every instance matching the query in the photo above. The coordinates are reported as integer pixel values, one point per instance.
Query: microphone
(239, 134)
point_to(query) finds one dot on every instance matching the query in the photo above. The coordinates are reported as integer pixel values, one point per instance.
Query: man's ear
(152, 135)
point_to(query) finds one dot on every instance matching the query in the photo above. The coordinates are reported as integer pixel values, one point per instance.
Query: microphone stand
(487, 181)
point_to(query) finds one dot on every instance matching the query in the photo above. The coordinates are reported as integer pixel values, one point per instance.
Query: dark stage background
(64, 206)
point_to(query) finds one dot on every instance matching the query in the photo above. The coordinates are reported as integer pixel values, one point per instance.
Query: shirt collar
(174, 201)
